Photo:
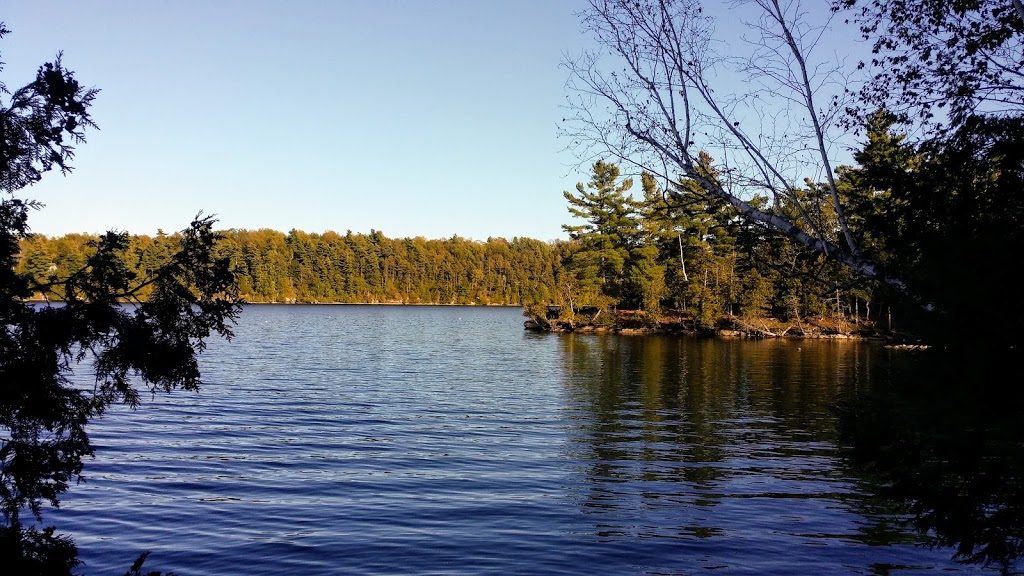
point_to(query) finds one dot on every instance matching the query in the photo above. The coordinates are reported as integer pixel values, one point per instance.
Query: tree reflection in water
(943, 438)
(782, 447)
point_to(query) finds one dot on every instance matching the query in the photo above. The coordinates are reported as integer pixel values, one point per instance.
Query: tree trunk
(682, 260)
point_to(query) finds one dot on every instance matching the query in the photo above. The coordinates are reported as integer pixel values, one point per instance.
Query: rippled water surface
(446, 440)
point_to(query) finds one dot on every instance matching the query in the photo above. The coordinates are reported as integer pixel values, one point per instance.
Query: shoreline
(632, 323)
(296, 303)
(380, 304)
(723, 333)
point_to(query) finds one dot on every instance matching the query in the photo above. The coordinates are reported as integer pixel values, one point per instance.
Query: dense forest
(674, 247)
(657, 247)
(698, 211)
(663, 247)
(708, 266)
(669, 249)
(272, 266)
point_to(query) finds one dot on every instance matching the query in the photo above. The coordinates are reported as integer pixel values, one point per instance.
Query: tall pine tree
(611, 230)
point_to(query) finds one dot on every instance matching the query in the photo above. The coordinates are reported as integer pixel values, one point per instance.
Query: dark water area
(447, 440)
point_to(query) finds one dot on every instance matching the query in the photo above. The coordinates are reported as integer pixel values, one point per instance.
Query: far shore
(37, 300)
(629, 323)
(248, 303)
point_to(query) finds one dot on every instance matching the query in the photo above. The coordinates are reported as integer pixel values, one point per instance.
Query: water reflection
(943, 440)
(735, 445)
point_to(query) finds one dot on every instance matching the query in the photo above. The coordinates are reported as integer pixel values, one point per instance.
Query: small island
(589, 319)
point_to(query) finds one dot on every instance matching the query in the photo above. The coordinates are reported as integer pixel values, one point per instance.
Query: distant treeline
(301, 267)
(352, 268)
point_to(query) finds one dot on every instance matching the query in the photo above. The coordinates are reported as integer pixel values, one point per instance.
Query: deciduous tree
(939, 62)
(654, 95)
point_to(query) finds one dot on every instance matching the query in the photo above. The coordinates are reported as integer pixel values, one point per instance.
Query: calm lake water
(447, 440)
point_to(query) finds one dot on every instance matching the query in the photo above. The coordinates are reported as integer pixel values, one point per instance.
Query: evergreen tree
(43, 414)
(945, 213)
(610, 231)
(694, 234)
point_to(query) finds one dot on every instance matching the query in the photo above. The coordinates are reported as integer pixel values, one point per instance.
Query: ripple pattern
(445, 440)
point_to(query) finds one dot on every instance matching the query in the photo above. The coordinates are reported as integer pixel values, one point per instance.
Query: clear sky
(411, 117)
(414, 118)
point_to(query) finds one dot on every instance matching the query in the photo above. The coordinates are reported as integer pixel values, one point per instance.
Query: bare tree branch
(653, 97)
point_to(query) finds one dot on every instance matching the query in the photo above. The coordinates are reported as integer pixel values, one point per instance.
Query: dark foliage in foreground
(43, 414)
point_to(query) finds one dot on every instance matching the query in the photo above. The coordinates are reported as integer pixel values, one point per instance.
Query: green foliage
(942, 61)
(28, 550)
(189, 296)
(944, 214)
(40, 124)
(298, 266)
(608, 234)
(645, 281)
(683, 248)
(756, 295)
(614, 256)
(537, 312)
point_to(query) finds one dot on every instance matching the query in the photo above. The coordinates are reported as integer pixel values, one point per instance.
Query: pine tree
(599, 263)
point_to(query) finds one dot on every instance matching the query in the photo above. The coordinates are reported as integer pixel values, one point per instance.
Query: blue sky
(414, 118)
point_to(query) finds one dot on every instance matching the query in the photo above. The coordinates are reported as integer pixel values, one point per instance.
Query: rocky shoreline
(728, 327)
